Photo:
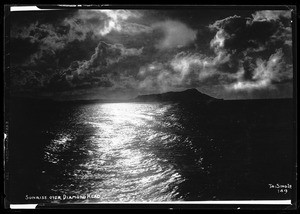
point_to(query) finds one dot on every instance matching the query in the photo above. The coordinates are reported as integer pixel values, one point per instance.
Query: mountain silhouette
(189, 95)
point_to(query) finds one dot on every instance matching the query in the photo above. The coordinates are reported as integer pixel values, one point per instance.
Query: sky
(121, 53)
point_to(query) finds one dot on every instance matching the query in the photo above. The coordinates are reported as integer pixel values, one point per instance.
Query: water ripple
(122, 153)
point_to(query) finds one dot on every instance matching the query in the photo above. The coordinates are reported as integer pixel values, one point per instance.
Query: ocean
(72, 152)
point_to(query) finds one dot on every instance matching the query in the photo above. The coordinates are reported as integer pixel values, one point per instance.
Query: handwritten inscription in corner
(281, 188)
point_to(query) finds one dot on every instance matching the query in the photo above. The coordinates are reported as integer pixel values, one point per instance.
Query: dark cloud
(21, 50)
(104, 56)
(49, 46)
(256, 60)
(98, 70)
(76, 51)
(84, 51)
(239, 33)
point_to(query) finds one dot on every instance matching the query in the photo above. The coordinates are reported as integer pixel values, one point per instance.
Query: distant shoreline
(189, 95)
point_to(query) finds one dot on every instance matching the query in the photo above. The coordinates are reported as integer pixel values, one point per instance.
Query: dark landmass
(189, 95)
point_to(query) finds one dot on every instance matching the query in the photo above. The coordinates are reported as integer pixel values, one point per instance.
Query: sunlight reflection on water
(124, 160)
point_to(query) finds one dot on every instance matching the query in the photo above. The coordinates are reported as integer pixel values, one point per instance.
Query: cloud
(264, 74)
(175, 34)
(282, 34)
(25, 79)
(270, 15)
(50, 39)
(237, 67)
(105, 55)
(192, 69)
(46, 34)
(21, 50)
(224, 23)
(193, 66)
(97, 70)
(106, 68)
(102, 22)
(115, 49)
(257, 50)
(116, 21)
(218, 41)
(79, 26)
(181, 70)
(159, 76)
(264, 29)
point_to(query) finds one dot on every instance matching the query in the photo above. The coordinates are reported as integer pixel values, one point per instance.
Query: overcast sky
(89, 54)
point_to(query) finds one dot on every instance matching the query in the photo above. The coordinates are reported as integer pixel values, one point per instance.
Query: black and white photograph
(166, 105)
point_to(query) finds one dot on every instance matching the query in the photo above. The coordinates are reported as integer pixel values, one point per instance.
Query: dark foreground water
(119, 152)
